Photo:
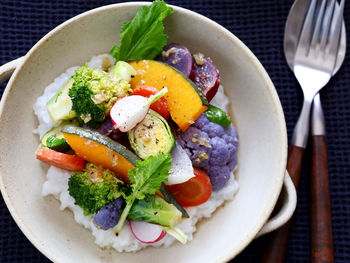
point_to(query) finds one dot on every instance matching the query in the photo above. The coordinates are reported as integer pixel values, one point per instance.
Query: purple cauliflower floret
(212, 148)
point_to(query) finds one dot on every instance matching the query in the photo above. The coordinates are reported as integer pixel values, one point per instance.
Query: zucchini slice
(55, 140)
(60, 105)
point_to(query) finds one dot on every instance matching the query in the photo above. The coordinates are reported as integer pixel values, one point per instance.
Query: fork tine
(327, 23)
(334, 36)
(316, 34)
(307, 30)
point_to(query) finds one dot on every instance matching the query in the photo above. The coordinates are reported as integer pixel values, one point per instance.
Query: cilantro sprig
(143, 37)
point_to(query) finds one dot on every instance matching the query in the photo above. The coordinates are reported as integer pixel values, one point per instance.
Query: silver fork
(315, 59)
(314, 62)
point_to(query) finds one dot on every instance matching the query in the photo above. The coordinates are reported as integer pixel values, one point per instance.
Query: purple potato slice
(205, 75)
(108, 216)
(106, 128)
(177, 56)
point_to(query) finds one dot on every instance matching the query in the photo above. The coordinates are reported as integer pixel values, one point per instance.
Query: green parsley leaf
(143, 37)
(148, 175)
(146, 178)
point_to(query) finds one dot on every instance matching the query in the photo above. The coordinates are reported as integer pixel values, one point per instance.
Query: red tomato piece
(160, 106)
(193, 192)
(60, 160)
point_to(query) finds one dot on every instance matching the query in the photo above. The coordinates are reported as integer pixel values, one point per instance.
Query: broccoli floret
(94, 187)
(212, 148)
(94, 92)
(87, 111)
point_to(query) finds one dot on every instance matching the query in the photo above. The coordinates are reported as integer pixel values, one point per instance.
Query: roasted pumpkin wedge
(100, 150)
(185, 100)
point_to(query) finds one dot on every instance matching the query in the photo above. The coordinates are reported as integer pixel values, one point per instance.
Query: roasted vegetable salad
(141, 139)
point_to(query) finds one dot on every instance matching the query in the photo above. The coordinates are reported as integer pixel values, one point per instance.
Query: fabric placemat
(260, 25)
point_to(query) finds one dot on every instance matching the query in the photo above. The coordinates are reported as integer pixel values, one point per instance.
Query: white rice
(57, 181)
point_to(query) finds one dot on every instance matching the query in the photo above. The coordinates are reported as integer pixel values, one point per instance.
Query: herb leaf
(146, 178)
(149, 174)
(143, 37)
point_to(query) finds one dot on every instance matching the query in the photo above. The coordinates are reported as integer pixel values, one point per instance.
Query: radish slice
(127, 112)
(146, 232)
(181, 166)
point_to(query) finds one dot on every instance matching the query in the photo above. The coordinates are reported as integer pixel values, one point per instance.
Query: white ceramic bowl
(257, 113)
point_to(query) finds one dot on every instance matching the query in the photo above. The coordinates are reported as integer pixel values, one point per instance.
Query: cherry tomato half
(193, 192)
(160, 106)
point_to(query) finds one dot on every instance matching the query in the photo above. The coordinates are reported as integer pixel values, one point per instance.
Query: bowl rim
(277, 185)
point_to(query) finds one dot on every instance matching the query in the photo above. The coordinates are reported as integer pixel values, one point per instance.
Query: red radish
(147, 232)
(127, 112)
(160, 106)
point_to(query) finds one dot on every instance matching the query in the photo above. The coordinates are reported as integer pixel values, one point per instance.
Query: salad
(135, 141)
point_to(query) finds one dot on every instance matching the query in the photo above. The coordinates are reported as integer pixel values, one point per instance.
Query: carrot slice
(61, 160)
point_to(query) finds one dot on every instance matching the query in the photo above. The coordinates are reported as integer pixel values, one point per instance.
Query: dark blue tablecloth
(260, 25)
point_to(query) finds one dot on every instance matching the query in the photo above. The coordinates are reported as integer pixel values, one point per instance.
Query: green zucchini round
(55, 140)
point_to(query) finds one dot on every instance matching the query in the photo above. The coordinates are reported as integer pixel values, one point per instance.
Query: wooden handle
(321, 220)
(276, 247)
(295, 158)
